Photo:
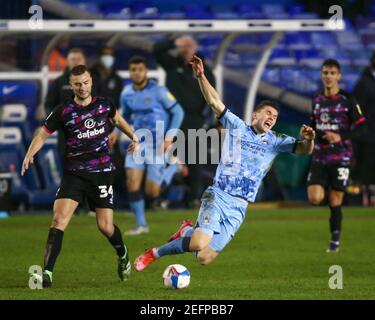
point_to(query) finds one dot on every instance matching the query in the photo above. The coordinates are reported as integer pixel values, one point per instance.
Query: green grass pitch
(277, 254)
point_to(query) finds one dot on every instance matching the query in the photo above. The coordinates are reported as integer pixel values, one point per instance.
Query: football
(176, 276)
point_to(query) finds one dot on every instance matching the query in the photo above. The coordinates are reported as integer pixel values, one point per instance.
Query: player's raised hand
(25, 164)
(197, 65)
(307, 132)
(134, 147)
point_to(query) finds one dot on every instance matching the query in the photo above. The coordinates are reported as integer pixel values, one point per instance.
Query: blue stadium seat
(349, 40)
(116, 10)
(297, 40)
(209, 41)
(249, 11)
(224, 12)
(282, 57)
(272, 75)
(311, 58)
(21, 92)
(194, 11)
(274, 11)
(349, 80)
(15, 115)
(341, 55)
(232, 59)
(255, 39)
(50, 170)
(89, 7)
(323, 39)
(49, 163)
(12, 154)
(145, 10)
(298, 11)
(296, 8)
(250, 58)
(171, 11)
(313, 73)
(360, 57)
(296, 80)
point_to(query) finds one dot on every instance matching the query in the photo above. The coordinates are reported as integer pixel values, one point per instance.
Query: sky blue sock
(138, 208)
(189, 232)
(177, 246)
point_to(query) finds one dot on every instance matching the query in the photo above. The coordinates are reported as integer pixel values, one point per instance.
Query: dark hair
(267, 103)
(78, 70)
(106, 48)
(76, 50)
(331, 63)
(137, 60)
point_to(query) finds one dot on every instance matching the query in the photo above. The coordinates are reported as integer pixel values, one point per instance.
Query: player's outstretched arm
(209, 93)
(34, 147)
(124, 126)
(307, 145)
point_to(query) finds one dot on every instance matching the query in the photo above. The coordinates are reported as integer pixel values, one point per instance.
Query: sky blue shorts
(154, 172)
(220, 216)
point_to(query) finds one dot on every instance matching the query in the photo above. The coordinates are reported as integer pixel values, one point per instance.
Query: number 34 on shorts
(343, 173)
(106, 191)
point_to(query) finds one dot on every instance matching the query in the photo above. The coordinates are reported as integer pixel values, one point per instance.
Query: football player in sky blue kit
(145, 104)
(236, 183)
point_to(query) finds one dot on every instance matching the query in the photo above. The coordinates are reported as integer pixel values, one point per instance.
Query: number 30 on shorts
(343, 173)
(105, 191)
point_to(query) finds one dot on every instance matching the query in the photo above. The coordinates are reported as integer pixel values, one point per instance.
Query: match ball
(176, 276)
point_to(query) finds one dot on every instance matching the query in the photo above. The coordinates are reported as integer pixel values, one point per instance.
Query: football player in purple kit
(337, 118)
(86, 122)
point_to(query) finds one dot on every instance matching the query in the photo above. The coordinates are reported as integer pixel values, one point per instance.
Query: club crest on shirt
(324, 117)
(90, 123)
(206, 220)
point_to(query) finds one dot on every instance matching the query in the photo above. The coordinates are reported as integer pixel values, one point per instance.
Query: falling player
(337, 118)
(224, 204)
(86, 122)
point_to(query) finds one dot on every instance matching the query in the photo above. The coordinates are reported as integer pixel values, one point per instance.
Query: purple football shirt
(86, 129)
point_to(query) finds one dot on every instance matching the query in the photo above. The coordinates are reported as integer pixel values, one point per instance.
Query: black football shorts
(97, 187)
(335, 177)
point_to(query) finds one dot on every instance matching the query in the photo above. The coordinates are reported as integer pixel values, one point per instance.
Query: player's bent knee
(59, 221)
(315, 200)
(106, 228)
(335, 202)
(205, 258)
(198, 244)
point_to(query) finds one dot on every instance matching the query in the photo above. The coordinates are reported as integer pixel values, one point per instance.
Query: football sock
(335, 223)
(53, 248)
(137, 205)
(177, 246)
(152, 202)
(117, 242)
